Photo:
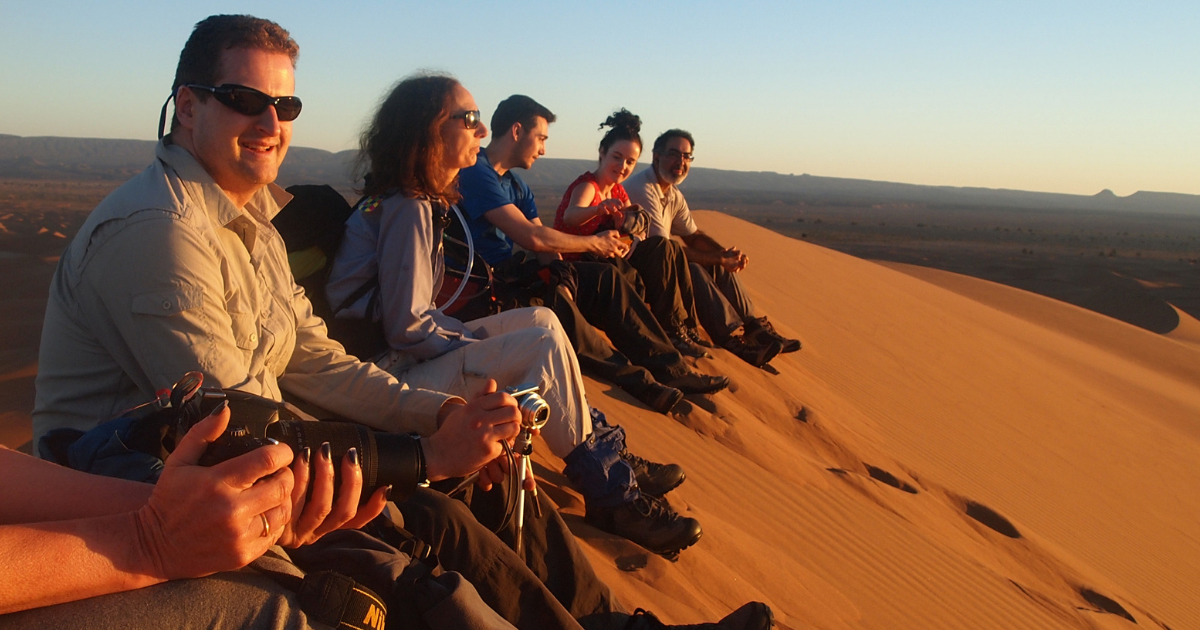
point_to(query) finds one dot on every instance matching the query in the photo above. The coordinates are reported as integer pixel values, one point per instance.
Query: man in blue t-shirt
(495, 190)
(501, 213)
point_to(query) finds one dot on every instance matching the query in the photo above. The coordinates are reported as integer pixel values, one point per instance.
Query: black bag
(523, 281)
(311, 225)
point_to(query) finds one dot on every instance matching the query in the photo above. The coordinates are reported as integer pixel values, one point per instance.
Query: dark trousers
(607, 301)
(662, 267)
(552, 586)
(722, 305)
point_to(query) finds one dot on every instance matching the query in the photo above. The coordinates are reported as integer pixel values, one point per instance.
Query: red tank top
(594, 224)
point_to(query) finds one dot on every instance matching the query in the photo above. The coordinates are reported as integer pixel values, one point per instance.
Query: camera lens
(534, 411)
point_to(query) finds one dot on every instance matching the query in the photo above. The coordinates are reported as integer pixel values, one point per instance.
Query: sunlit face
(670, 165)
(531, 143)
(460, 146)
(618, 162)
(241, 153)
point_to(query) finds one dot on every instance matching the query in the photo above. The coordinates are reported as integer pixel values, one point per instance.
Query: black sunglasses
(470, 118)
(250, 102)
(243, 100)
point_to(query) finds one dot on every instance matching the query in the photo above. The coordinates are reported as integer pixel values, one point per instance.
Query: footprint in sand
(992, 519)
(880, 475)
(1106, 604)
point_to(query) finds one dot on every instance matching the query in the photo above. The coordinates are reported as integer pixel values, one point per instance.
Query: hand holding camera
(322, 499)
(469, 438)
(202, 520)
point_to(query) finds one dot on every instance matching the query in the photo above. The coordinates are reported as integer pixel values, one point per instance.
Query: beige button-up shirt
(167, 276)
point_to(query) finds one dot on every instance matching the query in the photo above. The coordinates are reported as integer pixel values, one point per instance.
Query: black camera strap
(334, 599)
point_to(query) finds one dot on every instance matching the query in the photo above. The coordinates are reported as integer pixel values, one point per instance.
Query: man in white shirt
(724, 308)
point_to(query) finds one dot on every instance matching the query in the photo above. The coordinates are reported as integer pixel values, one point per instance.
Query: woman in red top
(596, 201)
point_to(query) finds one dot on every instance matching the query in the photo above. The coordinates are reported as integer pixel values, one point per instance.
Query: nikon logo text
(375, 618)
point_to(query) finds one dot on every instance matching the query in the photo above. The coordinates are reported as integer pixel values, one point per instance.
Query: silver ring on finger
(266, 530)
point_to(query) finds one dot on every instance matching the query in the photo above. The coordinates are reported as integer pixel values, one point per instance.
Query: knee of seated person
(655, 242)
(546, 318)
(538, 341)
(440, 510)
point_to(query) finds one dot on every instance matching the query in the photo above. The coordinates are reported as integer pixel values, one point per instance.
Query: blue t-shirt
(482, 190)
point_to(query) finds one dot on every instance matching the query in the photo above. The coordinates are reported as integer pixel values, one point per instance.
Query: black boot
(757, 355)
(682, 340)
(761, 331)
(692, 382)
(653, 478)
(752, 616)
(660, 398)
(649, 522)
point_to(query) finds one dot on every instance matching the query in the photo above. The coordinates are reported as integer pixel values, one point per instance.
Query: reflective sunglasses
(470, 118)
(680, 155)
(250, 102)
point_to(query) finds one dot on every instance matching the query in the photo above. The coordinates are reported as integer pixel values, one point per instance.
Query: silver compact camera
(535, 411)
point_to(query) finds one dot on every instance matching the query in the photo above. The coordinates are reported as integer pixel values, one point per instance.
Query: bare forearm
(52, 563)
(702, 248)
(550, 240)
(578, 215)
(36, 491)
(702, 256)
(701, 241)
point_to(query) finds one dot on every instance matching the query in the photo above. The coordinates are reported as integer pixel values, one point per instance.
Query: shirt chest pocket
(245, 330)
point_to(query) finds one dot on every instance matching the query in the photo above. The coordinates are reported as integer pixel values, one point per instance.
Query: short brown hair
(518, 108)
(401, 150)
(200, 60)
(661, 142)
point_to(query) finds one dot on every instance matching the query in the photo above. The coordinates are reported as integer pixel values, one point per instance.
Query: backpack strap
(370, 206)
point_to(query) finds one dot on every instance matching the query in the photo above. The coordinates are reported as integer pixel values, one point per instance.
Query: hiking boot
(752, 616)
(649, 522)
(682, 341)
(660, 397)
(696, 383)
(694, 336)
(764, 333)
(653, 478)
(757, 355)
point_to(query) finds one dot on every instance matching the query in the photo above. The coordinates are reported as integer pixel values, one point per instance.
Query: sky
(1053, 96)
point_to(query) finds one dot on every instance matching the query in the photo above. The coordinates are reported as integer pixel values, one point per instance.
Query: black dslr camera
(386, 458)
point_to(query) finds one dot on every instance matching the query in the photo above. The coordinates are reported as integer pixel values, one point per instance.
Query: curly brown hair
(401, 150)
(625, 125)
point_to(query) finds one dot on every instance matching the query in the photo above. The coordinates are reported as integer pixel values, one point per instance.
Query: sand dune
(944, 453)
(971, 456)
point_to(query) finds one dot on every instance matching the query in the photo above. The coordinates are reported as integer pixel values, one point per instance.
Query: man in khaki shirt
(180, 269)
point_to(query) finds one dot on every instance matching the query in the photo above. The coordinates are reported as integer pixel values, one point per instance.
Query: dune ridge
(942, 453)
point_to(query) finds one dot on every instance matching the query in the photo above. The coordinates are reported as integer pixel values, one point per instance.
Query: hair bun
(623, 119)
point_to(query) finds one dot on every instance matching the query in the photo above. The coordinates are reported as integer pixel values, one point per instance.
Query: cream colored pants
(525, 345)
